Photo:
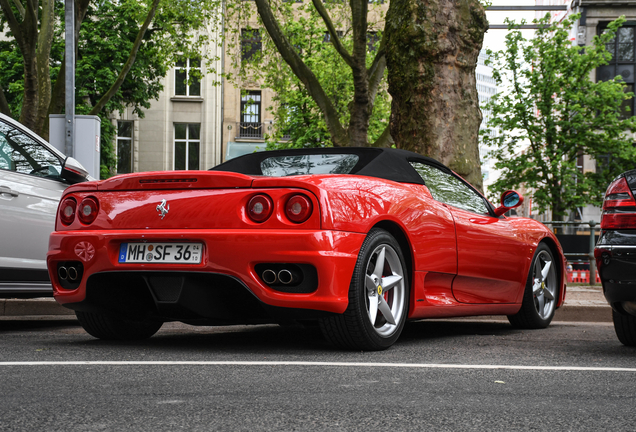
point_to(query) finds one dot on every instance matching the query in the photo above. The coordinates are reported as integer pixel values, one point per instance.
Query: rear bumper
(617, 270)
(233, 254)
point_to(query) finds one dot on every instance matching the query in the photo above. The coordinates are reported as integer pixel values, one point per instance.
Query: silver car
(33, 175)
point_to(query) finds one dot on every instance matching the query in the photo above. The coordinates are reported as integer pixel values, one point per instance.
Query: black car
(615, 254)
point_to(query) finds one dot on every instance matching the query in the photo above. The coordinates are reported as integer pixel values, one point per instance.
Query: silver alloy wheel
(544, 285)
(386, 293)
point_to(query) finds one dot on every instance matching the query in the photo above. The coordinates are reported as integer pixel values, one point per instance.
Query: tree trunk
(557, 211)
(43, 54)
(360, 108)
(432, 48)
(4, 105)
(25, 32)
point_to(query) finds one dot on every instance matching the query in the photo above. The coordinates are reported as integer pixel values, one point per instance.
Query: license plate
(161, 253)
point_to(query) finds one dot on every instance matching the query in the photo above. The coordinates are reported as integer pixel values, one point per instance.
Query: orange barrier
(581, 276)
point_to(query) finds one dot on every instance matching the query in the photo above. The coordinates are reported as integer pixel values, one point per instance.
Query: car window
(309, 164)
(450, 190)
(21, 153)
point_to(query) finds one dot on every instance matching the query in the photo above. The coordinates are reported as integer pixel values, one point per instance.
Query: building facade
(182, 130)
(200, 122)
(486, 89)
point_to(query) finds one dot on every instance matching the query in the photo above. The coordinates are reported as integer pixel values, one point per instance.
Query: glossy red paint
(454, 255)
(230, 252)
(492, 259)
(189, 209)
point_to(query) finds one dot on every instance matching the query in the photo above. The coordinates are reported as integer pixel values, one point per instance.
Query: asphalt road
(441, 375)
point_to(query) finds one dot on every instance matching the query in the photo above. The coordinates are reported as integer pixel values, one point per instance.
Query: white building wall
(486, 89)
(153, 137)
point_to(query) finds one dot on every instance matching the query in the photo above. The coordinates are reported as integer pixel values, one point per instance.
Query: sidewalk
(582, 304)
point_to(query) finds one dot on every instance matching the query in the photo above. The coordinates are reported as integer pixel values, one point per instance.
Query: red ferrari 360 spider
(358, 239)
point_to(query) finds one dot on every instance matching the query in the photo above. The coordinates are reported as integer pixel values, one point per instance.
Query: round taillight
(259, 208)
(67, 211)
(298, 208)
(87, 211)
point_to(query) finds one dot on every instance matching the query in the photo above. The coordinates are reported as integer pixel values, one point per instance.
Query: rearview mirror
(509, 199)
(73, 171)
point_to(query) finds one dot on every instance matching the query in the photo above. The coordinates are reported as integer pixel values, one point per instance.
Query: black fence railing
(589, 255)
(249, 130)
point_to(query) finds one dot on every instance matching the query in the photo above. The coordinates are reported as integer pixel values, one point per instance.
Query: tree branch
(384, 140)
(14, 25)
(32, 14)
(129, 63)
(379, 56)
(19, 7)
(375, 74)
(303, 73)
(335, 40)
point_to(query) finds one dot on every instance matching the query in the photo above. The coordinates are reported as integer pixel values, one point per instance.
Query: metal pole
(592, 260)
(69, 82)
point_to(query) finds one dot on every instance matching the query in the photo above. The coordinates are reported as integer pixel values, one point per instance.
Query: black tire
(625, 327)
(541, 293)
(354, 329)
(109, 327)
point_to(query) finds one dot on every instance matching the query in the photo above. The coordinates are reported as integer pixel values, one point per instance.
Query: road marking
(301, 363)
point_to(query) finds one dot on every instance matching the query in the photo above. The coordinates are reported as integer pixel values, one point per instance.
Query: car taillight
(298, 208)
(67, 211)
(619, 206)
(259, 208)
(88, 209)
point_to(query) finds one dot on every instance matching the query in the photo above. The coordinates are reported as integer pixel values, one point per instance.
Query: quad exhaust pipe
(269, 277)
(72, 274)
(62, 273)
(68, 273)
(284, 276)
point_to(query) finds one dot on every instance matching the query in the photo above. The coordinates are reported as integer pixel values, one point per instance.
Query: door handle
(7, 190)
(480, 221)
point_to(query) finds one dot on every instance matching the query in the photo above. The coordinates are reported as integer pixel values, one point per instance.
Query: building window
(327, 36)
(250, 125)
(373, 39)
(187, 142)
(187, 77)
(623, 62)
(250, 43)
(124, 147)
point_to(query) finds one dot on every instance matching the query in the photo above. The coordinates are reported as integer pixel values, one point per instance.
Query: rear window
(281, 166)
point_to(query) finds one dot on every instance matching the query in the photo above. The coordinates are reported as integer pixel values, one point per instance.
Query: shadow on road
(182, 338)
(424, 339)
(36, 324)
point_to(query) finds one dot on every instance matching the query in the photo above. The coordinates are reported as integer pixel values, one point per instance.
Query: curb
(571, 311)
(32, 307)
(576, 313)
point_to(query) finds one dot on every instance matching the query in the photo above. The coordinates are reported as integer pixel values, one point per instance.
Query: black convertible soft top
(384, 163)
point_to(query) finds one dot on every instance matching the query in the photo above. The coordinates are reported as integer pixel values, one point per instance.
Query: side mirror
(509, 199)
(73, 171)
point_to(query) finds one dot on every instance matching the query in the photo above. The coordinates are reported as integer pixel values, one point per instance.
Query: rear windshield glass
(281, 166)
